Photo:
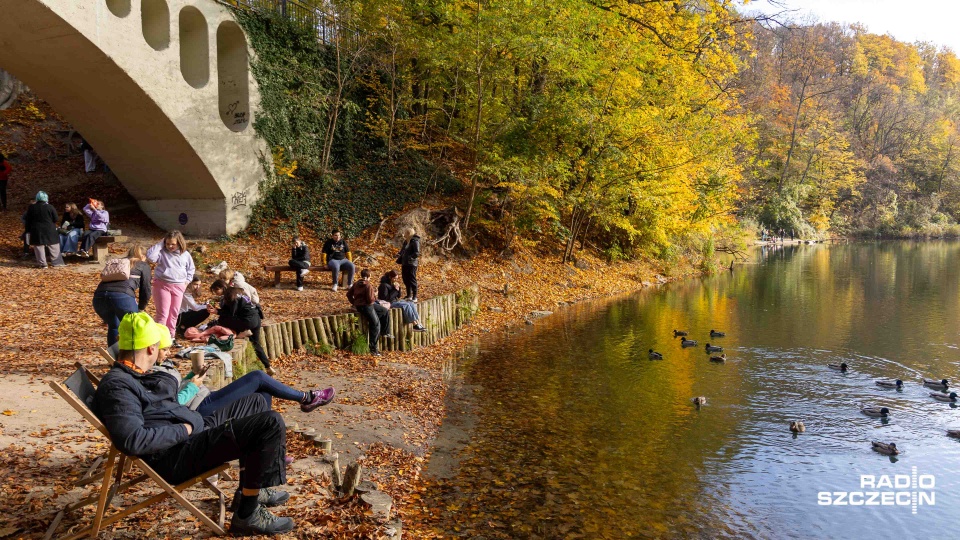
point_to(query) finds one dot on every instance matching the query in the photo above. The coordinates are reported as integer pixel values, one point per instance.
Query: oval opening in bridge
(120, 8)
(194, 47)
(232, 70)
(155, 17)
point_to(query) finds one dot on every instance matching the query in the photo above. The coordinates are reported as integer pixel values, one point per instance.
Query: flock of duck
(796, 426)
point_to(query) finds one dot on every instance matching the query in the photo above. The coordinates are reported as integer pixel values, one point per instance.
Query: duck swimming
(890, 384)
(841, 367)
(887, 449)
(714, 348)
(654, 355)
(717, 333)
(953, 433)
(677, 333)
(721, 358)
(948, 398)
(875, 412)
(684, 342)
(797, 427)
(699, 401)
(942, 384)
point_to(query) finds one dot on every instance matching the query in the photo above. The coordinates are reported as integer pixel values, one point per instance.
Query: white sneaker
(305, 272)
(299, 288)
(335, 287)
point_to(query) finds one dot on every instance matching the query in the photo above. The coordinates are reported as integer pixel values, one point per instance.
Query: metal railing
(308, 17)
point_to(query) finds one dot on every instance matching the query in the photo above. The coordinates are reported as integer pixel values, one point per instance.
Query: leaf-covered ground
(386, 414)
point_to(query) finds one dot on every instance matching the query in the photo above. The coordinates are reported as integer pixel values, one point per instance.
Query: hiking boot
(267, 497)
(261, 521)
(319, 398)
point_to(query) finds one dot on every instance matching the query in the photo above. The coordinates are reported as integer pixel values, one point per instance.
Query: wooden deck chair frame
(120, 462)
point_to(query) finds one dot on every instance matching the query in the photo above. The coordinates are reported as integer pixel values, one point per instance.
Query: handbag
(224, 344)
(115, 270)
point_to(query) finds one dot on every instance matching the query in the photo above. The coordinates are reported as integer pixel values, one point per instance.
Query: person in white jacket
(174, 271)
(192, 312)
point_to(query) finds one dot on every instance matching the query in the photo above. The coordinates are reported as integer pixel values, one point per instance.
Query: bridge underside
(161, 90)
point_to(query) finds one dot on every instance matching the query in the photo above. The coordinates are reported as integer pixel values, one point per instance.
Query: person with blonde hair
(174, 271)
(409, 261)
(70, 229)
(114, 299)
(232, 278)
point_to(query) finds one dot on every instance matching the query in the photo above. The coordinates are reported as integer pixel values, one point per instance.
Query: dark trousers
(378, 317)
(3, 194)
(89, 238)
(246, 430)
(189, 319)
(240, 325)
(255, 382)
(299, 266)
(409, 274)
(111, 306)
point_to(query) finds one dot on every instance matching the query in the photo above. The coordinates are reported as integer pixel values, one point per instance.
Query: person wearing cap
(40, 221)
(139, 408)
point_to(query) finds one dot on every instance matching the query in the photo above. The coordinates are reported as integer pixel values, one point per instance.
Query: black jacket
(139, 281)
(387, 291)
(240, 311)
(41, 223)
(301, 253)
(336, 251)
(75, 222)
(410, 252)
(141, 412)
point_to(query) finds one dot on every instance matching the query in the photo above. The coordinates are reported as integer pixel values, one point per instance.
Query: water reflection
(572, 432)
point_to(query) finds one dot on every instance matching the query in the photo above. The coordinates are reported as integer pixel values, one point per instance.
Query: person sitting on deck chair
(139, 408)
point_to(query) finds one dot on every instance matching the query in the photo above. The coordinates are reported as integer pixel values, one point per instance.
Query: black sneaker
(261, 521)
(267, 497)
(418, 328)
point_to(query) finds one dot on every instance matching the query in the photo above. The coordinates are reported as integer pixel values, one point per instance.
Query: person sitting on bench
(99, 222)
(300, 260)
(139, 408)
(338, 257)
(192, 312)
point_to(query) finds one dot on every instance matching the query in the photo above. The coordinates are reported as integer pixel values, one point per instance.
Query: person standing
(99, 222)
(174, 271)
(338, 257)
(300, 260)
(70, 229)
(5, 169)
(409, 260)
(41, 223)
(89, 156)
(363, 297)
(114, 299)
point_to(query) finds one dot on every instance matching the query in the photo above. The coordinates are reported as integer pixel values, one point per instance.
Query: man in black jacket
(139, 408)
(300, 260)
(409, 260)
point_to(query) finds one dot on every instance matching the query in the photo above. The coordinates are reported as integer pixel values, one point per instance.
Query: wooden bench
(277, 270)
(101, 248)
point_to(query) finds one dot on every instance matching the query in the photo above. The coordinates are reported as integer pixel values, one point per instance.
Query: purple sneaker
(319, 398)
(287, 460)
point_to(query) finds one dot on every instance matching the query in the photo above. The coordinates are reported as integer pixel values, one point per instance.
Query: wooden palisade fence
(441, 315)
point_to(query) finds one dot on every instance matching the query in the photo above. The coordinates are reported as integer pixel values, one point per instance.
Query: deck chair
(78, 391)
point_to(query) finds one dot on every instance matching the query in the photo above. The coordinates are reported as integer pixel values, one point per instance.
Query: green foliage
(360, 344)
(319, 348)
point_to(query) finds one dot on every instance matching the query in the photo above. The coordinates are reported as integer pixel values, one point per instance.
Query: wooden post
(295, 332)
(321, 335)
(351, 479)
(312, 336)
(285, 336)
(336, 476)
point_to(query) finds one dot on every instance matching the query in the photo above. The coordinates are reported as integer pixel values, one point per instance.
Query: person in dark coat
(389, 292)
(300, 260)
(238, 313)
(5, 169)
(138, 406)
(41, 223)
(363, 297)
(409, 260)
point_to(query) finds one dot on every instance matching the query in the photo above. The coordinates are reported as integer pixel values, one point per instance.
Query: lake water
(566, 429)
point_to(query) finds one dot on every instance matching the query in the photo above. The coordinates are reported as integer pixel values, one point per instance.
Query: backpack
(115, 270)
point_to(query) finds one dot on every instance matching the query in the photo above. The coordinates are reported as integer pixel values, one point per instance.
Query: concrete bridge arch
(160, 88)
